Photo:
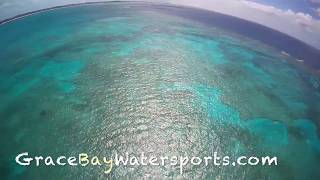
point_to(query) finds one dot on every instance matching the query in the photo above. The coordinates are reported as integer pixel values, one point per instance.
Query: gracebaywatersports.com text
(85, 160)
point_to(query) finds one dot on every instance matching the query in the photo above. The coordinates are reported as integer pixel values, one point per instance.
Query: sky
(297, 18)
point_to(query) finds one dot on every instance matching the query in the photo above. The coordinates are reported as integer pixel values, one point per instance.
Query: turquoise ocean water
(132, 78)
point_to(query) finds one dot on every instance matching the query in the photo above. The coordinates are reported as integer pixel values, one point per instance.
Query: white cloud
(304, 20)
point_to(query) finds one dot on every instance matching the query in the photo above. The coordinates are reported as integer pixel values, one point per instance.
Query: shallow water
(134, 78)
